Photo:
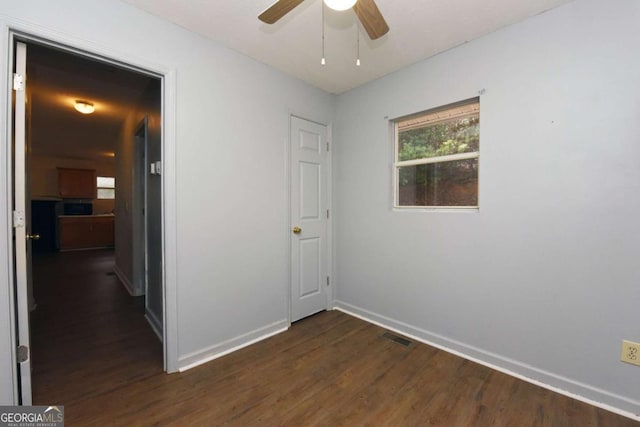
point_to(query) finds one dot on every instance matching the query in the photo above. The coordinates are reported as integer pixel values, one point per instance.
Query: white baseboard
(154, 322)
(585, 393)
(126, 282)
(206, 355)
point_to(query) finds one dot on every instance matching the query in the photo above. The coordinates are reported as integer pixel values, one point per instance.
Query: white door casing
(20, 228)
(309, 213)
(168, 75)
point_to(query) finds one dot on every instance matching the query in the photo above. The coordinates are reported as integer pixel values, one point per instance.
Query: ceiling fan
(366, 10)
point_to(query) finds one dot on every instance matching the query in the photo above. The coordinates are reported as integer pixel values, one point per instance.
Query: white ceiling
(418, 29)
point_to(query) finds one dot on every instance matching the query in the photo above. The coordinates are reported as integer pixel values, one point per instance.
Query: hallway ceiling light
(340, 4)
(84, 107)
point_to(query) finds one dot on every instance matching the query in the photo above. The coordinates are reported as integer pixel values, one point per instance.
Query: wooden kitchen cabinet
(77, 183)
(84, 232)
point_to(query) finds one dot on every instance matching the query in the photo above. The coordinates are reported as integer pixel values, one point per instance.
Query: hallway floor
(88, 335)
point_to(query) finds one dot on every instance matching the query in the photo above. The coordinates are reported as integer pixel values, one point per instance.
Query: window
(106, 187)
(437, 154)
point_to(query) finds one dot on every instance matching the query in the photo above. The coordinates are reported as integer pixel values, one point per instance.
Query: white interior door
(21, 224)
(309, 218)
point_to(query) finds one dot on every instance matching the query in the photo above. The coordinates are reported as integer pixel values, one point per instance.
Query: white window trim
(440, 159)
(98, 188)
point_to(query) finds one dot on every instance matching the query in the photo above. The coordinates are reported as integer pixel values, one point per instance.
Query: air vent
(396, 338)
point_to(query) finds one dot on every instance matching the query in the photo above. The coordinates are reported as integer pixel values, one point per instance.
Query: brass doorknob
(35, 236)
(297, 230)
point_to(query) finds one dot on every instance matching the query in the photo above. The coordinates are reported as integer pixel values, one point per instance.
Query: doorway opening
(82, 200)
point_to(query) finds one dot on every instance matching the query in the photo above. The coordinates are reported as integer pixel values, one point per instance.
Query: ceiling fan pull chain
(322, 61)
(357, 44)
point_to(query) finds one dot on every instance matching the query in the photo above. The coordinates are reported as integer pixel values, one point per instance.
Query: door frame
(139, 204)
(12, 30)
(287, 232)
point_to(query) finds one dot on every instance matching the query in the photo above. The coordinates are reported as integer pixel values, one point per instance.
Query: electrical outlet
(630, 352)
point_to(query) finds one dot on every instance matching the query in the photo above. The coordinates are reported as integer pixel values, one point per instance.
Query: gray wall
(544, 279)
(231, 136)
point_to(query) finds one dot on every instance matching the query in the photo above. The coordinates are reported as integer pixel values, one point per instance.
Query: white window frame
(98, 188)
(429, 160)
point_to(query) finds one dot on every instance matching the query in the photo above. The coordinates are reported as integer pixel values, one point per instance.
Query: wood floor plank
(94, 353)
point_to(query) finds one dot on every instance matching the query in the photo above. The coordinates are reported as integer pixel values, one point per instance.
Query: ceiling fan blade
(278, 10)
(371, 18)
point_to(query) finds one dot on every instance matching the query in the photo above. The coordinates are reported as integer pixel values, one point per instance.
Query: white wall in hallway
(124, 233)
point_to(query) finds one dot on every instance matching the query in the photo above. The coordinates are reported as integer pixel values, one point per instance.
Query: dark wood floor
(88, 335)
(94, 353)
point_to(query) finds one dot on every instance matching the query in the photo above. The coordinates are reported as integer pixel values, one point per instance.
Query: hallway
(88, 335)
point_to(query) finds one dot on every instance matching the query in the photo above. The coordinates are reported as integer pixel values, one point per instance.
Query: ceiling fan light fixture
(84, 107)
(340, 4)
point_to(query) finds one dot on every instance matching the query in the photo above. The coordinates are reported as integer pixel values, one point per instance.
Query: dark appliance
(78, 209)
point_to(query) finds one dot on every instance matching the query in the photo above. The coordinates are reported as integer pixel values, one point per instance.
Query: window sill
(447, 209)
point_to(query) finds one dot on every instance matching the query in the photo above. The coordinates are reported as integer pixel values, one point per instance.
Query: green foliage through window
(452, 135)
